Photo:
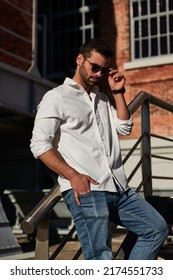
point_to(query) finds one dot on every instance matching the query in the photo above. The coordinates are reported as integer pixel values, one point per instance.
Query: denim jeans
(127, 208)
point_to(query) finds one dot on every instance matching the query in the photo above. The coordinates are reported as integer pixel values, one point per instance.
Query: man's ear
(79, 59)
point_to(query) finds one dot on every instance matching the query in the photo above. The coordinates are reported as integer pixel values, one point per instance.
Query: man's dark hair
(98, 45)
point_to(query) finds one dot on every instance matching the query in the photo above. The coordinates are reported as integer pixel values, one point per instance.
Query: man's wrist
(122, 90)
(71, 173)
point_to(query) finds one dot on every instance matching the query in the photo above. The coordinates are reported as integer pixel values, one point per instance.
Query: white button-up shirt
(84, 129)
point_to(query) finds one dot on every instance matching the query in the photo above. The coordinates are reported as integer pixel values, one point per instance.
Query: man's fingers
(93, 181)
(77, 198)
(84, 187)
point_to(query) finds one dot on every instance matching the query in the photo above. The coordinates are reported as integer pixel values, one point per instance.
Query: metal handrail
(41, 210)
(161, 157)
(162, 177)
(142, 96)
(33, 219)
(161, 137)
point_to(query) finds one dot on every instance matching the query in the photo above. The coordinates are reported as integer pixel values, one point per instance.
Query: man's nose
(99, 73)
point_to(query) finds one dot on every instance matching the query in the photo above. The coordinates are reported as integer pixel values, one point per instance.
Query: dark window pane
(153, 25)
(78, 20)
(137, 49)
(144, 48)
(154, 46)
(163, 45)
(153, 6)
(144, 7)
(88, 34)
(136, 29)
(135, 10)
(56, 24)
(162, 5)
(170, 5)
(96, 30)
(171, 43)
(87, 2)
(144, 27)
(63, 5)
(59, 42)
(95, 17)
(171, 23)
(79, 39)
(163, 25)
(71, 21)
(55, 5)
(88, 18)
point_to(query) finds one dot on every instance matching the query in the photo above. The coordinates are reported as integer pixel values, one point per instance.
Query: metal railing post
(42, 240)
(146, 149)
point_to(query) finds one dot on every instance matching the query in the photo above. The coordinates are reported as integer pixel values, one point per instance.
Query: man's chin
(93, 82)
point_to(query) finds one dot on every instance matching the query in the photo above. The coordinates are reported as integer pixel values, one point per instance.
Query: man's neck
(79, 81)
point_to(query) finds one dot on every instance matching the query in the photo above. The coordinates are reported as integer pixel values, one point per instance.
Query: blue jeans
(127, 208)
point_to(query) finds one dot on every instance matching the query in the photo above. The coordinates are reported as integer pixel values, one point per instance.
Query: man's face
(93, 68)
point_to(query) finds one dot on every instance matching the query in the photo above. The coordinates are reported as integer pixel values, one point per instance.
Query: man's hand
(115, 79)
(81, 185)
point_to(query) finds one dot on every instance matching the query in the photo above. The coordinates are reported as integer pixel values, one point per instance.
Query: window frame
(82, 31)
(150, 60)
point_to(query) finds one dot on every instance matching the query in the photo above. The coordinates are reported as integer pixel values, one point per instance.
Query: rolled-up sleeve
(124, 127)
(42, 136)
(47, 122)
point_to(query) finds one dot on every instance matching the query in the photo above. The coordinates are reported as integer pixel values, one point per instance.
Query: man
(76, 135)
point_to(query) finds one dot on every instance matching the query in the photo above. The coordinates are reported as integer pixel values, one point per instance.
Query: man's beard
(88, 80)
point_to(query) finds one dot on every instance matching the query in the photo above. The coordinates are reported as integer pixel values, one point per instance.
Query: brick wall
(16, 33)
(156, 80)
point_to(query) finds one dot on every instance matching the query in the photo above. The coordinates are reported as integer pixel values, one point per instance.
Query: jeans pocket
(88, 194)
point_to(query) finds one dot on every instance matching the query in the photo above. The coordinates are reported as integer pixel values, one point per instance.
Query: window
(63, 26)
(151, 28)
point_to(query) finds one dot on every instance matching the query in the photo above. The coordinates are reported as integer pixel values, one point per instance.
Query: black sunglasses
(96, 68)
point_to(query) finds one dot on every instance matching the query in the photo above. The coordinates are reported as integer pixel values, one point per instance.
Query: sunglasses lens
(96, 68)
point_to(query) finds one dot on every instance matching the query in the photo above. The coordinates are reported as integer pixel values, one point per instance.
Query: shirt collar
(75, 85)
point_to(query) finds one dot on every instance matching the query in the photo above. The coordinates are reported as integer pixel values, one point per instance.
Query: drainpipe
(33, 70)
